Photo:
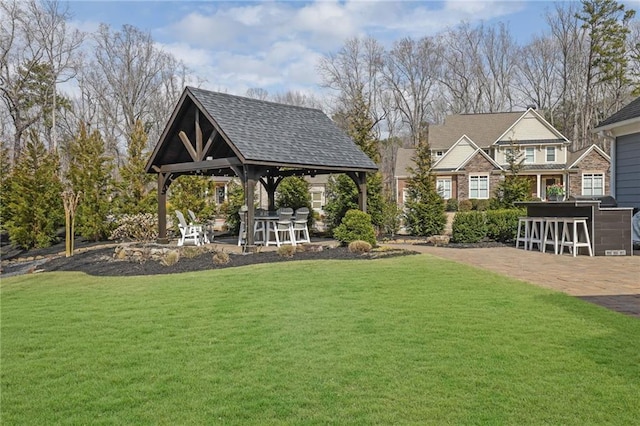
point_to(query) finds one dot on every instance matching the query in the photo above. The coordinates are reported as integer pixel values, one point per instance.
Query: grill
(605, 200)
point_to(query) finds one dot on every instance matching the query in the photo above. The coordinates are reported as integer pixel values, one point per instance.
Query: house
(470, 154)
(623, 128)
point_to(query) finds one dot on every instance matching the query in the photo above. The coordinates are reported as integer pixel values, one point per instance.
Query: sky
(276, 45)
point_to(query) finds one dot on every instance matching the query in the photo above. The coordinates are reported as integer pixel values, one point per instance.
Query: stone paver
(613, 282)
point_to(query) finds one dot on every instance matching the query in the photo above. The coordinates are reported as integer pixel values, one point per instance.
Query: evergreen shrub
(356, 225)
(502, 225)
(452, 205)
(469, 227)
(465, 206)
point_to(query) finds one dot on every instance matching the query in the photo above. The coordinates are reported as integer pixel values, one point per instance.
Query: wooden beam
(198, 137)
(218, 163)
(208, 144)
(187, 144)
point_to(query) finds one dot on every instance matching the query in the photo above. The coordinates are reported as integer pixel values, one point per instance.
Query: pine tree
(424, 209)
(90, 173)
(137, 194)
(513, 187)
(34, 208)
(343, 196)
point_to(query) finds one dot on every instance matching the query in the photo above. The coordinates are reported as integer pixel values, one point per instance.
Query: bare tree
(355, 72)
(37, 50)
(258, 93)
(537, 78)
(411, 75)
(129, 79)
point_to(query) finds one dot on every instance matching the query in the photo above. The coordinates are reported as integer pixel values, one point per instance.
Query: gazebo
(217, 134)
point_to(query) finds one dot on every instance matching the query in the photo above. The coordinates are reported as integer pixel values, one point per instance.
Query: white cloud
(277, 45)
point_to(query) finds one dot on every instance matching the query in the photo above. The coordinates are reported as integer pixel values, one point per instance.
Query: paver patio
(613, 282)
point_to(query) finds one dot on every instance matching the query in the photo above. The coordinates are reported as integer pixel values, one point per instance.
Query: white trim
(479, 175)
(463, 137)
(628, 122)
(540, 118)
(593, 174)
(584, 154)
(555, 154)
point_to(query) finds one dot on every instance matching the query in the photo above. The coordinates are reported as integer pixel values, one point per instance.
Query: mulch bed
(101, 262)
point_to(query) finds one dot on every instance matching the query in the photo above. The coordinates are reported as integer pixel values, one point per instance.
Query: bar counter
(609, 227)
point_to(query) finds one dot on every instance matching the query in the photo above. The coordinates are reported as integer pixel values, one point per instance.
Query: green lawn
(404, 340)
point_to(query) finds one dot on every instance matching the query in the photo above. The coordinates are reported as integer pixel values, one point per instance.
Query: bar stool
(535, 234)
(571, 235)
(551, 235)
(522, 236)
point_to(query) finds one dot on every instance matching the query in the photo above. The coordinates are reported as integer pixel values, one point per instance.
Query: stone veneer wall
(478, 165)
(594, 162)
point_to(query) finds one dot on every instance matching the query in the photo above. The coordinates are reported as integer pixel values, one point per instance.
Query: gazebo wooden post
(249, 197)
(270, 185)
(163, 180)
(360, 179)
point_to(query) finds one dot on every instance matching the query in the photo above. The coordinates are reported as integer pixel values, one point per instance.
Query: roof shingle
(279, 133)
(628, 112)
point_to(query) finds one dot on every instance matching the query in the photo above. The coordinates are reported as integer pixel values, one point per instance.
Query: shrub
(452, 205)
(359, 246)
(136, 227)
(171, 258)
(481, 205)
(469, 227)
(286, 251)
(356, 225)
(221, 258)
(502, 225)
(191, 252)
(465, 206)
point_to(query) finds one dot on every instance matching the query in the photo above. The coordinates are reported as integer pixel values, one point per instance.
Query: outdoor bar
(609, 226)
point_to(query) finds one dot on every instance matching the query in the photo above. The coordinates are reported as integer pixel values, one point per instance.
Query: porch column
(163, 184)
(538, 188)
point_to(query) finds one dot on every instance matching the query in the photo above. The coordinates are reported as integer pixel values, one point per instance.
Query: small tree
(135, 187)
(90, 173)
(513, 187)
(424, 208)
(293, 192)
(34, 206)
(342, 196)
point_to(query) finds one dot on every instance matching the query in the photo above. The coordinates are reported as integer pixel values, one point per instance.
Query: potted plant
(555, 192)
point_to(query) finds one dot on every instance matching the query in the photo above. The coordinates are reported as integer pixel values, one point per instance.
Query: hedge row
(494, 225)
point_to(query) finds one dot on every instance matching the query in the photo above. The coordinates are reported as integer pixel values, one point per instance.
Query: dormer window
(439, 153)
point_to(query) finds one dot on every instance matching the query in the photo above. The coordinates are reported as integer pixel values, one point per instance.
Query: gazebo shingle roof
(268, 132)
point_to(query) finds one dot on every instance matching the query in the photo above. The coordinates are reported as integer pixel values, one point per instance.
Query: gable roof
(451, 152)
(560, 138)
(404, 160)
(483, 129)
(577, 156)
(630, 112)
(259, 132)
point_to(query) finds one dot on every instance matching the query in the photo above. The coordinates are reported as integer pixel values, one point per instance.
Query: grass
(404, 340)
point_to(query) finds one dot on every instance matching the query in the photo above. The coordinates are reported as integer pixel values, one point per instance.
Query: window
(317, 200)
(529, 155)
(478, 186)
(439, 153)
(551, 154)
(221, 194)
(592, 184)
(444, 188)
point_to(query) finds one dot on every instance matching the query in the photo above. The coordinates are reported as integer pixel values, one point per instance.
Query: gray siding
(628, 170)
